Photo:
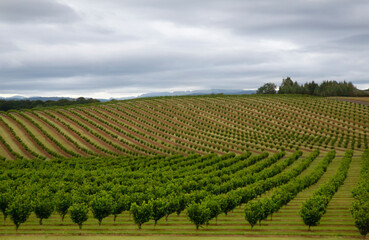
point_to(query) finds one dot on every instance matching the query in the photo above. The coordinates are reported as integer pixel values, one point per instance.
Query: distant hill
(152, 94)
(187, 93)
(198, 92)
(44, 99)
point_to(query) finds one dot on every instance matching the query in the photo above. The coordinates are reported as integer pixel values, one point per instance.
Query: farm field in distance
(212, 156)
(361, 100)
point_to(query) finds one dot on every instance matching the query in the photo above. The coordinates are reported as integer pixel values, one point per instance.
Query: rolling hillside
(209, 166)
(184, 125)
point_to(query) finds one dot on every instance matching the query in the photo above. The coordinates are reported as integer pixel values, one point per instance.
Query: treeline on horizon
(6, 105)
(325, 89)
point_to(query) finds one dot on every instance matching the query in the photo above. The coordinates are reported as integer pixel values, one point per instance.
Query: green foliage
(228, 202)
(360, 206)
(310, 87)
(101, 205)
(267, 88)
(141, 214)
(79, 213)
(333, 88)
(268, 207)
(63, 201)
(253, 212)
(171, 206)
(167, 184)
(119, 205)
(6, 105)
(4, 204)
(198, 214)
(44, 206)
(258, 210)
(325, 89)
(312, 210)
(314, 207)
(158, 209)
(214, 208)
(288, 87)
(19, 209)
(182, 203)
(360, 213)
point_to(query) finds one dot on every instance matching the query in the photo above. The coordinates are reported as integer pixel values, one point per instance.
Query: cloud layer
(117, 48)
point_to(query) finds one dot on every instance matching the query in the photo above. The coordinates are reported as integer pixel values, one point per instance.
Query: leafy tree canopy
(267, 88)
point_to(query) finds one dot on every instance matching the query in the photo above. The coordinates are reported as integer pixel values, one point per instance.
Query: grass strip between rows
(315, 207)
(261, 208)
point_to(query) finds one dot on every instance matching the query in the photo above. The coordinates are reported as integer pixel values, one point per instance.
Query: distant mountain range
(154, 94)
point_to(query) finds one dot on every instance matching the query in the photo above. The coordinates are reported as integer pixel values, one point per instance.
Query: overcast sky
(117, 48)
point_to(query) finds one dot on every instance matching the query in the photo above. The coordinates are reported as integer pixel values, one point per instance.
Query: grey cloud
(141, 46)
(360, 40)
(262, 15)
(25, 11)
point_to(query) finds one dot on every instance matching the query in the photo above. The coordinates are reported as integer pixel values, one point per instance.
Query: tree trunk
(40, 222)
(115, 218)
(197, 227)
(139, 226)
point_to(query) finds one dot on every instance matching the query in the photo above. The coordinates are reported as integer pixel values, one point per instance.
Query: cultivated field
(184, 157)
(203, 124)
(360, 100)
